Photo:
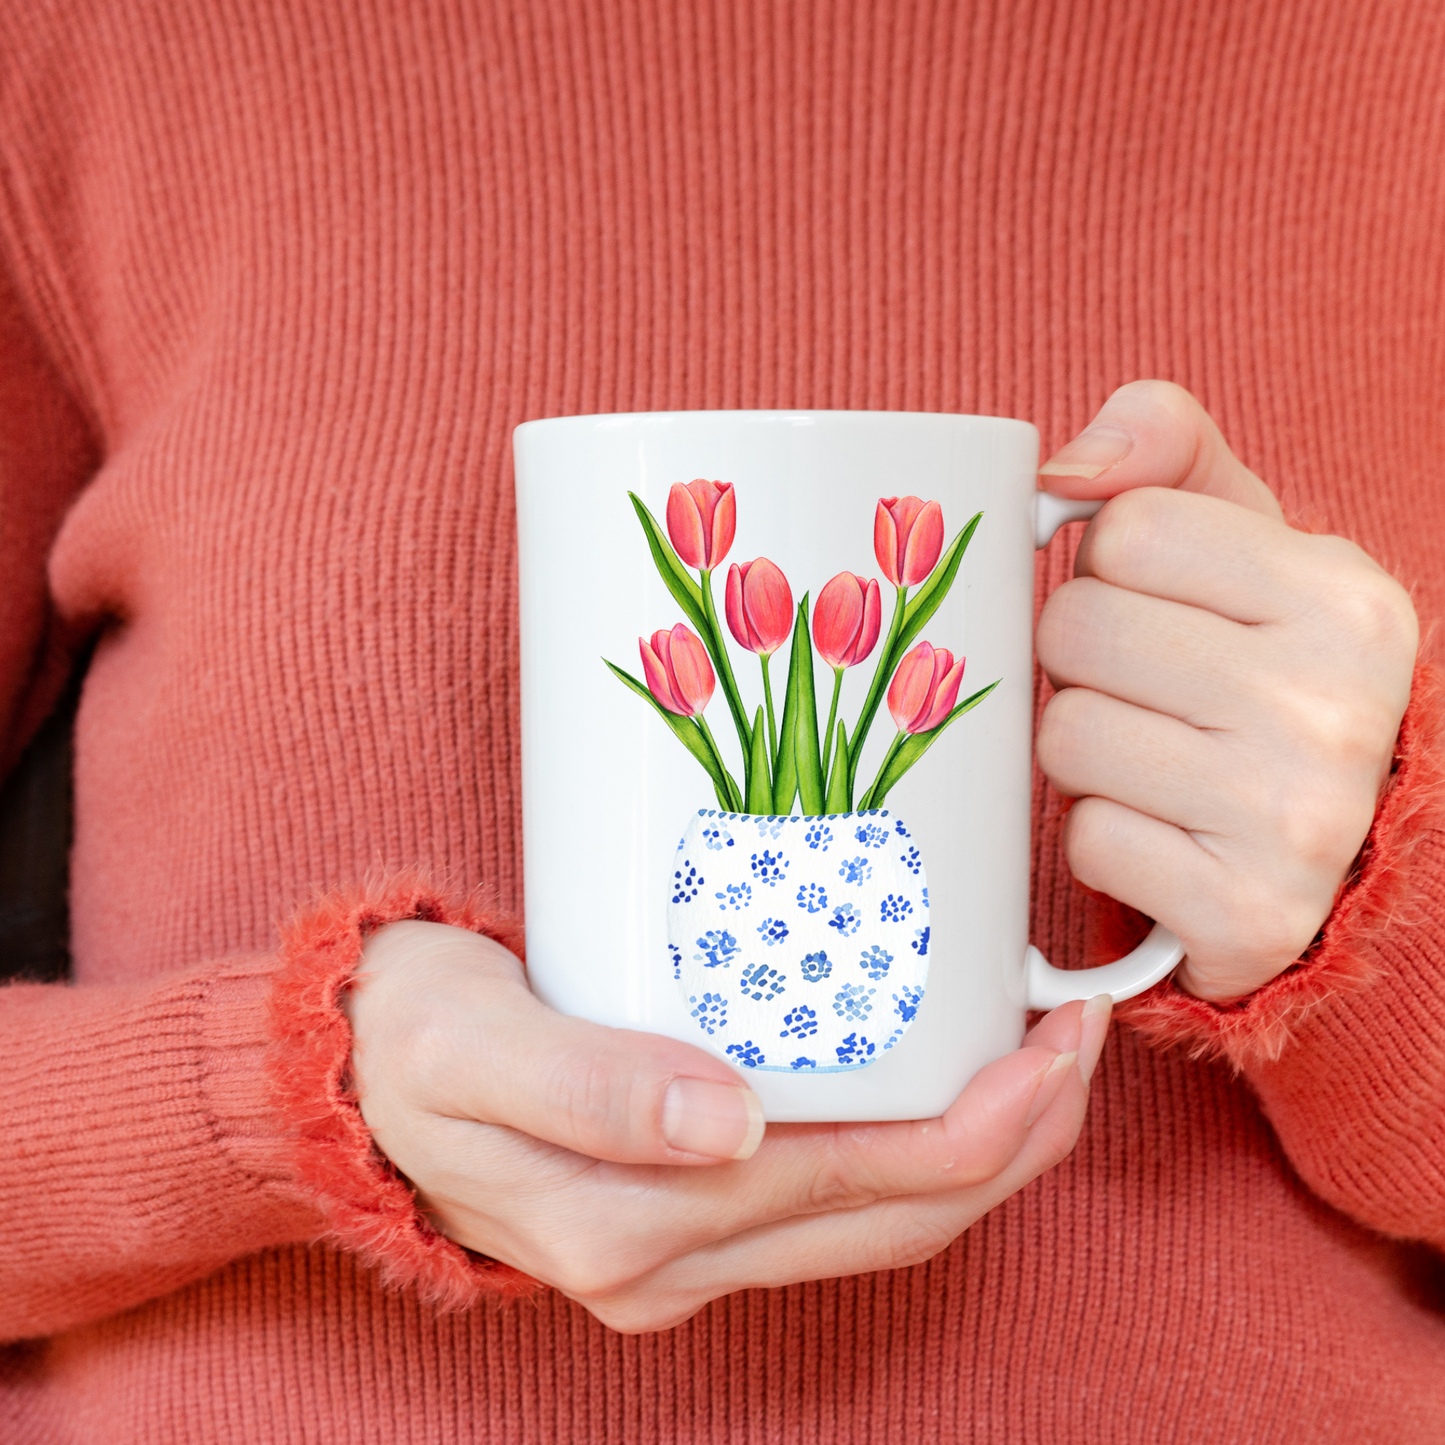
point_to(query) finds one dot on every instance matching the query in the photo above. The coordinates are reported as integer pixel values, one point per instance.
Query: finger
(1203, 551)
(889, 1234)
(1174, 659)
(501, 1056)
(1093, 744)
(1234, 918)
(1154, 434)
(550, 1204)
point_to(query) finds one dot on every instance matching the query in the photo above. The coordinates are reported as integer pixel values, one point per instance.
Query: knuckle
(1131, 531)
(640, 1316)
(1364, 601)
(915, 1239)
(837, 1183)
(595, 1273)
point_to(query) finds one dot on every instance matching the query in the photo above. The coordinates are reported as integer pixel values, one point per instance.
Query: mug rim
(799, 414)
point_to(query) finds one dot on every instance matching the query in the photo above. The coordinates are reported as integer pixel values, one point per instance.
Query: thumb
(1154, 434)
(445, 1024)
(615, 1094)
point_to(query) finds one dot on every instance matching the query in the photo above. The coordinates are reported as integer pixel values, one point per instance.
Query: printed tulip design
(678, 673)
(759, 605)
(845, 631)
(787, 761)
(701, 519)
(846, 619)
(907, 538)
(924, 689)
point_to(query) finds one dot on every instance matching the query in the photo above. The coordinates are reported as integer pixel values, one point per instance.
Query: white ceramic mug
(859, 965)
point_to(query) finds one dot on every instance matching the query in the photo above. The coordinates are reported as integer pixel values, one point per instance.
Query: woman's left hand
(1230, 691)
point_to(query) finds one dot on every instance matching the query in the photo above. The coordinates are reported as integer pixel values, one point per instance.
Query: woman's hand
(1230, 692)
(631, 1171)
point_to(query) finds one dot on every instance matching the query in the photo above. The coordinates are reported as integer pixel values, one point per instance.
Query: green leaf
(669, 565)
(914, 748)
(785, 785)
(689, 734)
(838, 779)
(808, 756)
(929, 597)
(760, 791)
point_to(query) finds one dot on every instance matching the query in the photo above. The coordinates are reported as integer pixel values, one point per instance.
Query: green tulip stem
(832, 713)
(714, 643)
(765, 658)
(884, 671)
(735, 799)
(867, 800)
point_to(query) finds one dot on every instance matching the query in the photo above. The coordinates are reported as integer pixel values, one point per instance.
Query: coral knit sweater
(277, 278)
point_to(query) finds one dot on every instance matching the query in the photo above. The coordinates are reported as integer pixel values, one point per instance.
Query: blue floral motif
(761, 983)
(900, 829)
(846, 919)
(686, 882)
(905, 1003)
(769, 827)
(813, 897)
(913, 861)
(736, 895)
(920, 942)
(855, 1049)
(892, 1038)
(773, 930)
(875, 961)
(748, 1054)
(870, 835)
(853, 1001)
(717, 838)
(925, 898)
(819, 836)
(895, 908)
(815, 967)
(856, 870)
(676, 954)
(710, 1011)
(717, 948)
(802, 1023)
(770, 868)
(802, 1063)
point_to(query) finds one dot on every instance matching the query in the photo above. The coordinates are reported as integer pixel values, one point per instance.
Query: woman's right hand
(631, 1172)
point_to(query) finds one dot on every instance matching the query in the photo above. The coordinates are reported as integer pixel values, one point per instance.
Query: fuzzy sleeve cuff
(368, 1205)
(1384, 889)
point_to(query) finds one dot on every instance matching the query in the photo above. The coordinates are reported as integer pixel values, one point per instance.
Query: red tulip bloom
(677, 670)
(924, 689)
(759, 606)
(907, 538)
(845, 621)
(701, 519)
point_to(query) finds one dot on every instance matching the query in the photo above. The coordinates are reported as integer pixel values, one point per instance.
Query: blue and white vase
(799, 944)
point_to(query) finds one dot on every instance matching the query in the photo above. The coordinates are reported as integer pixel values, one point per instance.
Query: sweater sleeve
(155, 1131)
(1346, 1049)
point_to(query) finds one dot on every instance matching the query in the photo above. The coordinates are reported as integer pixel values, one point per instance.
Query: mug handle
(1158, 956)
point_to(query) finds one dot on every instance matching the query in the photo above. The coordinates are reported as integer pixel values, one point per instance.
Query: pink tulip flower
(924, 689)
(678, 672)
(846, 619)
(701, 519)
(759, 606)
(907, 538)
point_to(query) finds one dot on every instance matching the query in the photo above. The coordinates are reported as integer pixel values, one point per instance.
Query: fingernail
(1093, 1030)
(1094, 450)
(722, 1121)
(1049, 1086)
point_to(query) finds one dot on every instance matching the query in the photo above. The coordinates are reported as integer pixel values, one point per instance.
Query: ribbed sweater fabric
(276, 282)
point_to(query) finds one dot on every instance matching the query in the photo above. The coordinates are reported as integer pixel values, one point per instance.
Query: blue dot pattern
(758, 913)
